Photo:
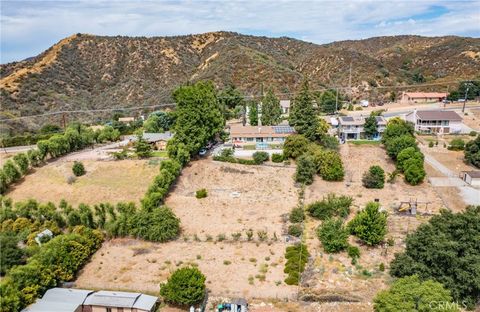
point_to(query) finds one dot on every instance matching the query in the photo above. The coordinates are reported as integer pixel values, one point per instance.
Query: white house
(351, 127)
(435, 121)
(262, 136)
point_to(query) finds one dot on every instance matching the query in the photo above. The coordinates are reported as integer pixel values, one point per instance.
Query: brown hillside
(86, 71)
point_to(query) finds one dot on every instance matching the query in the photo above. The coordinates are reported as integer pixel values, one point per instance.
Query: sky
(27, 28)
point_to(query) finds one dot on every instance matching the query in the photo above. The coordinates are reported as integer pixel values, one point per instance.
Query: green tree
(158, 122)
(414, 171)
(406, 154)
(3, 182)
(78, 168)
(271, 109)
(11, 172)
(472, 152)
(333, 235)
(295, 146)
(260, 157)
(199, 119)
(21, 160)
(142, 148)
(374, 178)
(370, 126)
(329, 164)
(230, 98)
(396, 145)
(302, 114)
(328, 102)
(186, 286)
(397, 127)
(253, 113)
(412, 294)
(370, 224)
(34, 157)
(305, 170)
(445, 249)
(11, 254)
(457, 144)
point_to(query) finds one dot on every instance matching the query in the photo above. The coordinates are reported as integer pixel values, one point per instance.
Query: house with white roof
(435, 121)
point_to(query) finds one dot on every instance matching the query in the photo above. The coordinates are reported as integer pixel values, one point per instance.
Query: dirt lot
(239, 198)
(334, 274)
(232, 269)
(105, 181)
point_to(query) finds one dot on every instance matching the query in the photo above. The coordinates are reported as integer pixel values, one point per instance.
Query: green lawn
(159, 154)
(365, 142)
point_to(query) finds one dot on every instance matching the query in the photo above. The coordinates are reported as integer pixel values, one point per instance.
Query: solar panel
(379, 118)
(347, 118)
(283, 129)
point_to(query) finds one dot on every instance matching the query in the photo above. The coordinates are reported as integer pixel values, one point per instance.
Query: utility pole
(336, 100)
(466, 95)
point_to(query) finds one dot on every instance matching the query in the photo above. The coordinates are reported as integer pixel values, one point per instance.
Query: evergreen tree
(142, 148)
(271, 109)
(253, 113)
(302, 114)
(370, 126)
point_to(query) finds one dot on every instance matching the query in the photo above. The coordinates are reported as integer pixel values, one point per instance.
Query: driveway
(470, 195)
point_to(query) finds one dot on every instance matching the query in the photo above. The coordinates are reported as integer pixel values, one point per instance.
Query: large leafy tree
(302, 115)
(11, 254)
(230, 97)
(333, 235)
(271, 109)
(396, 145)
(374, 178)
(295, 146)
(370, 126)
(472, 152)
(412, 294)
(370, 224)
(186, 286)
(253, 113)
(159, 122)
(199, 119)
(445, 249)
(328, 102)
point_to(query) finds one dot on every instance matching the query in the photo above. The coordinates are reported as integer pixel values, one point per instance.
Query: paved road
(17, 149)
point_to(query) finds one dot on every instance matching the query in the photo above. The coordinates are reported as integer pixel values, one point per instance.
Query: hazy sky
(30, 27)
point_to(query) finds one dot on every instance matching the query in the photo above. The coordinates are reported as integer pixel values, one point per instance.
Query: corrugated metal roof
(145, 302)
(112, 299)
(51, 306)
(59, 300)
(153, 137)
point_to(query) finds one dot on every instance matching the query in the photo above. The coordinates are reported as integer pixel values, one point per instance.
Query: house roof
(420, 95)
(437, 115)
(351, 120)
(240, 301)
(260, 131)
(153, 137)
(126, 119)
(473, 174)
(121, 299)
(59, 300)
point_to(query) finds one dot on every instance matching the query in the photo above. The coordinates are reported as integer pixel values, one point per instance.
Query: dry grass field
(105, 181)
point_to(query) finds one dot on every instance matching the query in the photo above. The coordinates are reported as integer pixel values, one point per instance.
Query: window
(109, 309)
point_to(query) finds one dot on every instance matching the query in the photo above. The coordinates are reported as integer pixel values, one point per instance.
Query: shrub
(472, 133)
(328, 164)
(11, 172)
(445, 249)
(3, 182)
(120, 155)
(295, 145)
(260, 157)
(78, 169)
(331, 206)
(414, 172)
(411, 294)
(381, 267)
(21, 160)
(297, 215)
(305, 170)
(354, 253)
(186, 286)
(370, 224)
(333, 235)
(430, 144)
(201, 193)
(142, 148)
(295, 230)
(374, 178)
(472, 152)
(457, 145)
(159, 225)
(11, 254)
(277, 158)
(397, 127)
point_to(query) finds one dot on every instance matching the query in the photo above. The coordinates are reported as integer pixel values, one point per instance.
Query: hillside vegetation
(86, 71)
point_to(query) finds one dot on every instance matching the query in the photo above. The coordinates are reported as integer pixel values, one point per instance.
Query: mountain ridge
(85, 71)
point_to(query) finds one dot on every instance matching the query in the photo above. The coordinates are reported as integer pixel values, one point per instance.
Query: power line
(245, 97)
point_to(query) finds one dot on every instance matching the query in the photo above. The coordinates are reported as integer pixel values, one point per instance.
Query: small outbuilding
(471, 177)
(43, 236)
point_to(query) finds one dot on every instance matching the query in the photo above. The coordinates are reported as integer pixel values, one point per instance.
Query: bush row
(55, 262)
(14, 170)
(297, 258)
(401, 147)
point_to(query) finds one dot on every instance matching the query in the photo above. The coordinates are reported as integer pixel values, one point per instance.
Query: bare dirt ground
(239, 198)
(105, 181)
(334, 274)
(232, 269)
(472, 119)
